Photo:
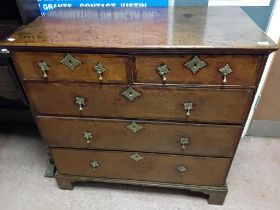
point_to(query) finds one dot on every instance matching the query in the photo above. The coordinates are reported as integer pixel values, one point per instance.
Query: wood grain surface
(245, 69)
(117, 69)
(172, 28)
(153, 167)
(204, 140)
(210, 105)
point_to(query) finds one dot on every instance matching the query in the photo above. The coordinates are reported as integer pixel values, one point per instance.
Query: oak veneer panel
(116, 67)
(210, 105)
(245, 69)
(154, 167)
(205, 140)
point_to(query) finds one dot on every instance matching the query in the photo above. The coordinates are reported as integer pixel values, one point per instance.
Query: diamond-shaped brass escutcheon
(131, 94)
(136, 157)
(195, 64)
(134, 127)
(70, 62)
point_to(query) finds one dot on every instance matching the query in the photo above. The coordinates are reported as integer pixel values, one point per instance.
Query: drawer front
(173, 138)
(244, 69)
(142, 166)
(208, 105)
(113, 68)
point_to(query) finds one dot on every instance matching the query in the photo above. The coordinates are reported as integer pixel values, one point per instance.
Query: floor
(254, 181)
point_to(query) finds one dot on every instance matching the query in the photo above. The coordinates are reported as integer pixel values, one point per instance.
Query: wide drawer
(173, 138)
(199, 70)
(92, 67)
(208, 105)
(142, 166)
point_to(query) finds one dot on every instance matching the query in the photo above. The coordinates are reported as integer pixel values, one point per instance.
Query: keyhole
(130, 94)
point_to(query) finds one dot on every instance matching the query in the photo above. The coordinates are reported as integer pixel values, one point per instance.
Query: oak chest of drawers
(155, 97)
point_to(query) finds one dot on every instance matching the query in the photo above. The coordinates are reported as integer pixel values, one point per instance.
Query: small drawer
(166, 103)
(142, 166)
(237, 70)
(47, 66)
(125, 135)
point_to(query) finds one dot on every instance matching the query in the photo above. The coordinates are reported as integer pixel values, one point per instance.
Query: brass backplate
(162, 71)
(188, 105)
(225, 70)
(80, 100)
(99, 68)
(43, 66)
(87, 135)
(182, 168)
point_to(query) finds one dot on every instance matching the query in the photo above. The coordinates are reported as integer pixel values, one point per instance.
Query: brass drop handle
(182, 169)
(44, 67)
(99, 68)
(184, 141)
(94, 164)
(225, 71)
(81, 102)
(188, 106)
(87, 136)
(162, 71)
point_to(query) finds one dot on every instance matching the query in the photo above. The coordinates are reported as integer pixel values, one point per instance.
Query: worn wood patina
(147, 96)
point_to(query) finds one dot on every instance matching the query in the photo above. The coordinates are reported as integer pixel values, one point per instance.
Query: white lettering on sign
(52, 6)
(239, 2)
(98, 5)
(133, 4)
(104, 16)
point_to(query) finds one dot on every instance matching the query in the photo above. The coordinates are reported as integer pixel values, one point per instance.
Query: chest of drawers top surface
(174, 28)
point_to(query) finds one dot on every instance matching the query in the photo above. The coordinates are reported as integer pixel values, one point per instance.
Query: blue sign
(46, 5)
